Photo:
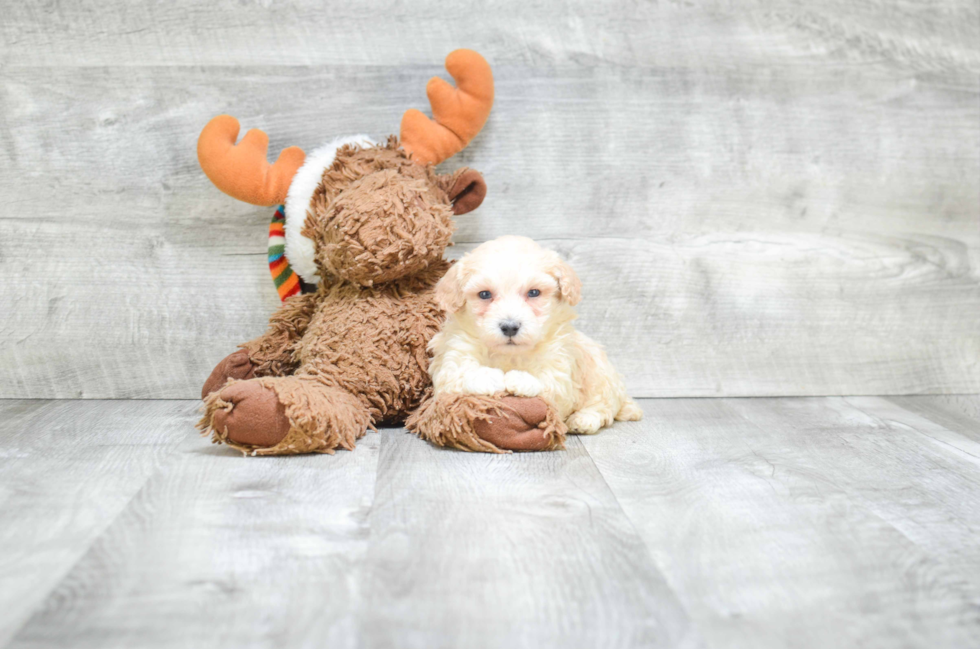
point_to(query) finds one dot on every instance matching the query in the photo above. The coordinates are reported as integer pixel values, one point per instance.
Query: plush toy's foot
(250, 415)
(489, 424)
(236, 365)
(283, 416)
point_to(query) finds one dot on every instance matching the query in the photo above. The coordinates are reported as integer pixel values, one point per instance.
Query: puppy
(509, 306)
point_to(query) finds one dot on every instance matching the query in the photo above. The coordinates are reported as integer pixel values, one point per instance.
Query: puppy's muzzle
(510, 328)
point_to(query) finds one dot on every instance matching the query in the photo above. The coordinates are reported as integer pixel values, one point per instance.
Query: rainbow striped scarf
(286, 280)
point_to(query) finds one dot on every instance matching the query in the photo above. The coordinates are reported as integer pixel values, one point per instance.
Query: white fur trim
(299, 249)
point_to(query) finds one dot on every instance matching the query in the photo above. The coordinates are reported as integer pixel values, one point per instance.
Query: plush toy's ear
(569, 285)
(459, 112)
(449, 289)
(467, 190)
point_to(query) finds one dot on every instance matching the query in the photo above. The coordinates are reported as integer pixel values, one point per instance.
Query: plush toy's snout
(381, 227)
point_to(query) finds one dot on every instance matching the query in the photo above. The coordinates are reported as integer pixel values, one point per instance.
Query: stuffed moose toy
(366, 225)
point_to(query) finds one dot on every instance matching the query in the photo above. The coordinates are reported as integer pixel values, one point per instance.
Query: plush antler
(459, 112)
(243, 171)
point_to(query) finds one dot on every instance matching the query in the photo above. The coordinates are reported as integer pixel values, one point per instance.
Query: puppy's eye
(533, 293)
(485, 295)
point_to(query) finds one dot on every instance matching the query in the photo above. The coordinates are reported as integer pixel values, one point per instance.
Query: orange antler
(459, 112)
(243, 171)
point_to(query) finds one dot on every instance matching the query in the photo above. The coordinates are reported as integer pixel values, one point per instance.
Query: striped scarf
(286, 280)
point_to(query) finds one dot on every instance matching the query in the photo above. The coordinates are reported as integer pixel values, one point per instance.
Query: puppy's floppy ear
(449, 289)
(569, 285)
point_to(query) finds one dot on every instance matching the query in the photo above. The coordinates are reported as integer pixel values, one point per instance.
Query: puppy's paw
(484, 380)
(585, 422)
(522, 384)
(629, 412)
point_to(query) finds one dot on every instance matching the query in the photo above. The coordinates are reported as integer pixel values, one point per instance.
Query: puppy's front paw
(522, 384)
(584, 422)
(484, 380)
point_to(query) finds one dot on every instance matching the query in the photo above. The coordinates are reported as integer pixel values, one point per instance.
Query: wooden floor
(805, 522)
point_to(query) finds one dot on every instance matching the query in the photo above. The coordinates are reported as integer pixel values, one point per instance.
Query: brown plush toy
(368, 224)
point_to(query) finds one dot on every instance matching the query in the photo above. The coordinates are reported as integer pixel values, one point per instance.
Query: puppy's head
(511, 293)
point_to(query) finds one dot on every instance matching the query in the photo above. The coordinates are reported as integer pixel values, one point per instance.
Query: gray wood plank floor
(805, 522)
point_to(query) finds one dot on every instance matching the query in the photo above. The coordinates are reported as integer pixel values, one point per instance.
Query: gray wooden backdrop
(762, 198)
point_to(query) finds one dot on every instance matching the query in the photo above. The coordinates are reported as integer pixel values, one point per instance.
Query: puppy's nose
(510, 328)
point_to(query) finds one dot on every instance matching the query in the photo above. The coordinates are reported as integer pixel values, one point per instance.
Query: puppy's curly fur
(510, 331)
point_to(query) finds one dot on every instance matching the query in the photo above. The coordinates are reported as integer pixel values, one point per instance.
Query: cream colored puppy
(510, 330)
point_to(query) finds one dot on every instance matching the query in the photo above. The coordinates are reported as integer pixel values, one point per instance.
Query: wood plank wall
(762, 198)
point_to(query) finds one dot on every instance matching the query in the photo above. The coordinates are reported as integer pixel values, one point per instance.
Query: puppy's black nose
(510, 328)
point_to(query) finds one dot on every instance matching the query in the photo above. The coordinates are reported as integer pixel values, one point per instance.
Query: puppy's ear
(569, 285)
(449, 289)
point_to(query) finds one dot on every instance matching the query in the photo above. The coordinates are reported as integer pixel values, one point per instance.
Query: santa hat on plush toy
(243, 171)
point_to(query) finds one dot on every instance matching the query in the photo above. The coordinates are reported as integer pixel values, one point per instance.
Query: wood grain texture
(67, 470)
(957, 412)
(532, 550)
(219, 550)
(918, 476)
(306, 32)
(803, 522)
(782, 198)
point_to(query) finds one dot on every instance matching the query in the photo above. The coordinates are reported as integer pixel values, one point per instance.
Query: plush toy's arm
(272, 353)
(488, 424)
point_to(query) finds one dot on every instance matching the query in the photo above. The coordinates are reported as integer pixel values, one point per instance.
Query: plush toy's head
(376, 215)
(357, 210)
